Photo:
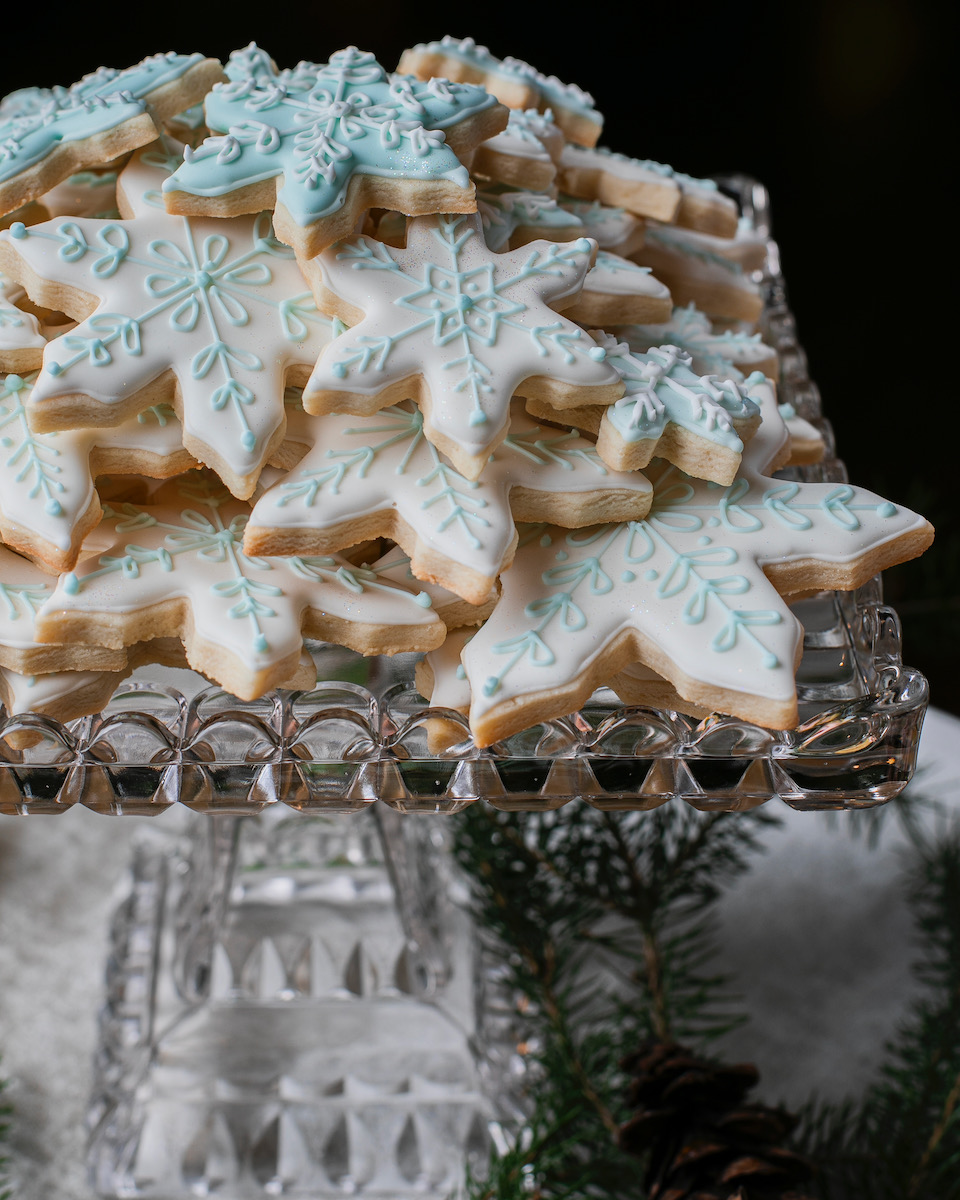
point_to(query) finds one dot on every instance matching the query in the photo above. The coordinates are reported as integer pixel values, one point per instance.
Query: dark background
(837, 105)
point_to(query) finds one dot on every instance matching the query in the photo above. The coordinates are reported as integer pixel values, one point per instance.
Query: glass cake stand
(298, 1004)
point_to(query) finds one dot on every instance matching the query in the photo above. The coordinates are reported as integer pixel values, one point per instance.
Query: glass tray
(360, 736)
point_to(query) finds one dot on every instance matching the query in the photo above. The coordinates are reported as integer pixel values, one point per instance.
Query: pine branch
(902, 1141)
(604, 922)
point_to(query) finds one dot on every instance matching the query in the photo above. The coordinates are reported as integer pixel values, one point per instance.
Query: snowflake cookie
(458, 328)
(697, 422)
(24, 589)
(525, 154)
(21, 342)
(729, 353)
(211, 316)
(515, 82)
(48, 502)
(453, 611)
(48, 134)
(647, 188)
(617, 291)
(177, 568)
(331, 143)
(716, 284)
(379, 477)
(694, 591)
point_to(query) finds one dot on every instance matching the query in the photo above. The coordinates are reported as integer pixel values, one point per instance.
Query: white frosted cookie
(24, 588)
(176, 568)
(213, 317)
(525, 154)
(48, 501)
(514, 218)
(49, 134)
(694, 591)
(613, 229)
(729, 353)
(456, 327)
(717, 285)
(378, 476)
(453, 611)
(327, 145)
(697, 422)
(514, 82)
(647, 188)
(615, 288)
(21, 341)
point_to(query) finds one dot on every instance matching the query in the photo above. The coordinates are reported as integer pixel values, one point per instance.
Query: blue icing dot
(713, 521)
(55, 369)
(260, 643)
(562, 556)
(492, 684)
(627, 577)
(546, 540)
(54, 508)
(423, 600)
(18, 230)
(339, 370)
(887, 510)
(71, 584)
(6, 441)
(771, 661)
(651, 574)
(598, 354)
(248, 440)
(703, 541)
(478, 418)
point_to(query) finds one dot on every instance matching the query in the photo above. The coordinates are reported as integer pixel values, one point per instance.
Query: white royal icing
(613, 229)
(19, 331)
(712, 353)
(505, 211)
(220, 302)
(47, 479)
(384, 464)
(188, 544)
(612, 275)
(473, 324)
(690, 577)
(530, 135)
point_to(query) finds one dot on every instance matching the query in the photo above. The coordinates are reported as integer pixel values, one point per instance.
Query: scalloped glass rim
(362, 734)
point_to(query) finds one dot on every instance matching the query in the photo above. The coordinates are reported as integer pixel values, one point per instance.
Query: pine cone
(702, 1141)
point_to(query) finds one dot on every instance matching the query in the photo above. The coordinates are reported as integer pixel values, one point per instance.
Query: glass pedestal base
(287, 1015)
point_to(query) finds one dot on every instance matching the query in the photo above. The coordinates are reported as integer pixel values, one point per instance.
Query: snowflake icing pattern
(249, 607)
(434, 310)
(320, 126)
(221, 303)
(385, 465)
(690, 580)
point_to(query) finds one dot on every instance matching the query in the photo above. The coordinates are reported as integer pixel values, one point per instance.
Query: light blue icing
(353, 119)
(32, 458)
(661, 388)
(40, 120)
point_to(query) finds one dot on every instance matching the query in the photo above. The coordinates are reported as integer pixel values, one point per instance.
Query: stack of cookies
(404, 362)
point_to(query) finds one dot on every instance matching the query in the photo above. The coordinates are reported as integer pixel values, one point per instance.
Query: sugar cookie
(48, 502)
(21, 342)
(241, 619)
(47, 135)
(717, 285)
(458, 328)
(379, 477)
(213, 317)
(617, 291)
(514, 82)
(694, 591)
(322, 155)
(525, 154)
